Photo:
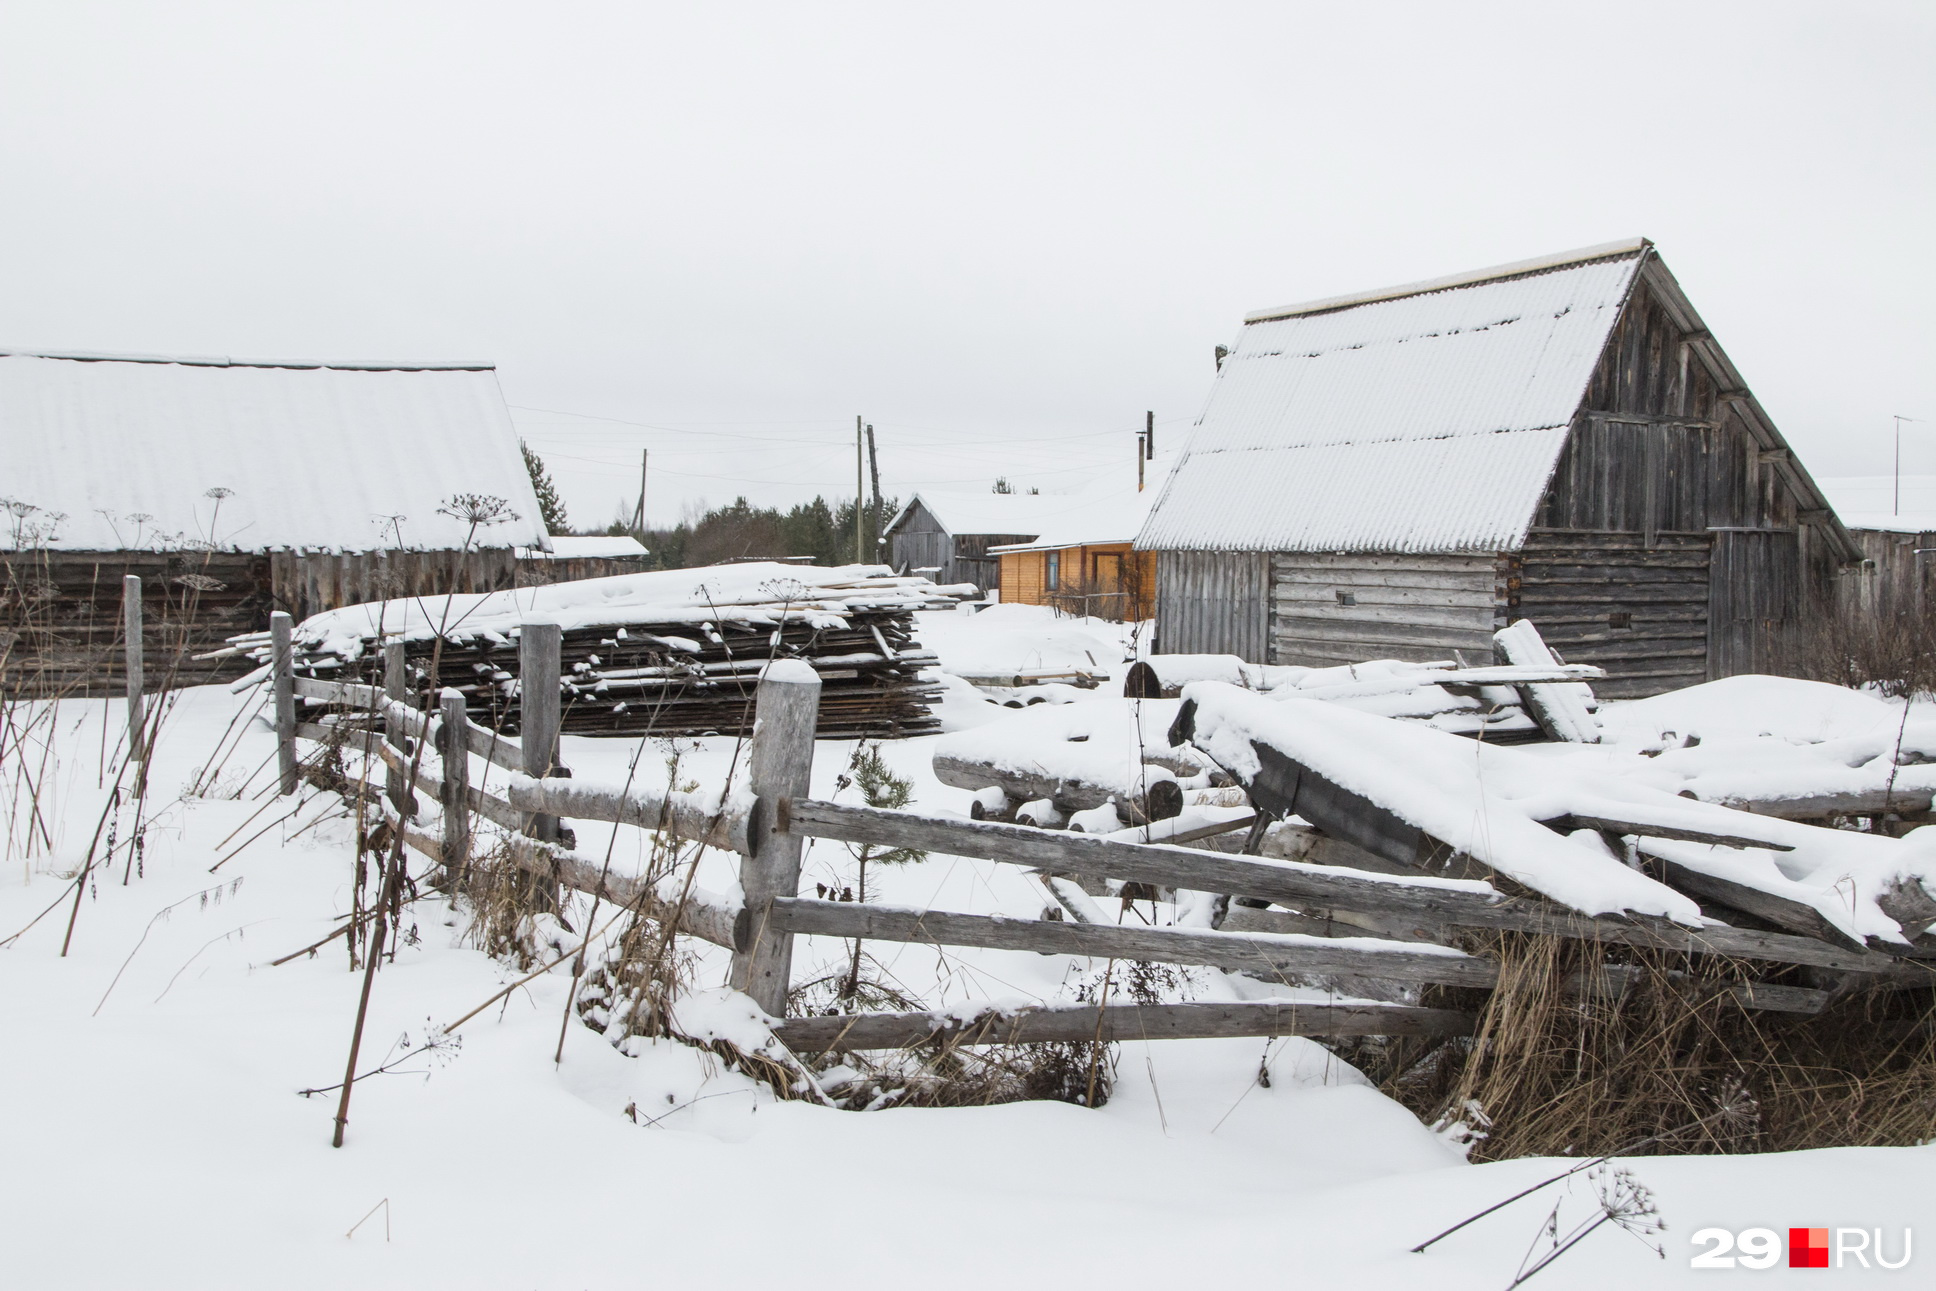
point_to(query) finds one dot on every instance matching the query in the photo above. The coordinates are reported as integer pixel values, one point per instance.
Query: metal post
(457, 782)
(539, 647)
(137, 712)
(282, 665)
(787, 706)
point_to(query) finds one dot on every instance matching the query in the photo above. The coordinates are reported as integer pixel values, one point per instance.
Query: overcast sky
(1001, 232)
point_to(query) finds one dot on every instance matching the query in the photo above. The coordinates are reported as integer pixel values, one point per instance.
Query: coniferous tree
(550, 506)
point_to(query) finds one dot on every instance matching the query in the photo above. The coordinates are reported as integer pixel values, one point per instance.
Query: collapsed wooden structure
(1378, 912)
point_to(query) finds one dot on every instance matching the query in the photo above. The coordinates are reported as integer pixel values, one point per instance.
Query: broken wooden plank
(1646, 829)
(1561, 709)
(1115, 1023)
(1306, 886)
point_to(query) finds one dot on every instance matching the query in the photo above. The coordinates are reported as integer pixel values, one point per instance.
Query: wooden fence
(1280, 902)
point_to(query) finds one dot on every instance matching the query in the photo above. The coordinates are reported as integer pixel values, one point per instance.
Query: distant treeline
(815, 529)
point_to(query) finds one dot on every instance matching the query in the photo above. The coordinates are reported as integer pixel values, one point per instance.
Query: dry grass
(1549, 1073)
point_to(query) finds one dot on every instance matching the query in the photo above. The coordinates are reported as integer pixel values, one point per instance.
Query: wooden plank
(494, 748)
(350, 693)
(538, 700)
(1261, 954)
(1163, 801)
(1116, 1023)
(780, 765)
(135, 674)
(696, 912)
(455, 753)
(1304, 886)
(1646, 829)
(681, 814)
(282, 662)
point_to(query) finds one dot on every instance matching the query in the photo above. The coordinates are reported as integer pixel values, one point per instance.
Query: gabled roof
(981, 514)
(1421, 418)
(1103, 515)
(313, 456)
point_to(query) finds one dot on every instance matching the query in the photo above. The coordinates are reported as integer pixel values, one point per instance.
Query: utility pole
(638, 517)
(860, 493)
(874, 471)
(1899, 420)
(1145, 447)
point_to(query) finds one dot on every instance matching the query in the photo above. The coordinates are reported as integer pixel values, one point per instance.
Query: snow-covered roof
(1876, 502)
(1099, 516)
(985, 513)
(1420, 418)
(593, 547)
(151, 452)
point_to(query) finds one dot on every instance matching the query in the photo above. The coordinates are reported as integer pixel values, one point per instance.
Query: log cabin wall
(1337, 608)
(1669, 547)
(308, 583)
(1213, 602)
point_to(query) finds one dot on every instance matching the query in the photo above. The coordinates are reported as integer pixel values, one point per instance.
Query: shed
(238, 486)
(573, 557)
(1893, 519)
(947, 536)
(1402, 472)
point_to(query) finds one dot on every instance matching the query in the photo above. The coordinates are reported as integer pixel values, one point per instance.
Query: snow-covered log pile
(672, 652)
(1530, 693)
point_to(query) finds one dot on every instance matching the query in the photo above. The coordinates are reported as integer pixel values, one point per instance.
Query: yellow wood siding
(1106, 571)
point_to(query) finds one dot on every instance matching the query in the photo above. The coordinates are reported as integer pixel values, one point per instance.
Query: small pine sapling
(879, 786)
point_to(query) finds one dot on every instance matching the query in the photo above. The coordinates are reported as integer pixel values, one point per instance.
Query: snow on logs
(665, 653)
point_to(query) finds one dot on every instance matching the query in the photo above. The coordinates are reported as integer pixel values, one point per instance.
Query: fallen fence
(427, 749)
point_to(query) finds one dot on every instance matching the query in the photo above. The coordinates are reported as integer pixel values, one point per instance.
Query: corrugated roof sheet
(1424, 422)
(314, 458)
(1110, 513)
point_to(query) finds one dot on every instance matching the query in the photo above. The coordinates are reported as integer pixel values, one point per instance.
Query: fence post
(396, 687)
(282, 664)
(137, 714)
(786, 707)
(539, 647)
(457, 783)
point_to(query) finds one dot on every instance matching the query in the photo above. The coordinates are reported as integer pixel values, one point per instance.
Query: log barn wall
(1328, 609)
(60, 611)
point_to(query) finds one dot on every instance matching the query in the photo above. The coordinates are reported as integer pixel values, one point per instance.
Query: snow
(595, 547)
(985, 513)
(1004, 640)
(157, 1139)
(1448, 407)
(1101, 741)
(1882, 502)
(1484, 800)
(1113, 512)
(312, 458)
(759, 592)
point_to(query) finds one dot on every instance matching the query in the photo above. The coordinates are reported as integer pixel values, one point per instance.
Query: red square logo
(1808, 1248)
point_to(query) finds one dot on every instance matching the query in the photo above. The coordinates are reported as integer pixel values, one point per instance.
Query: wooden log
(1873, 802)
(454, 750)
(684, 815)
(1163, 800)
(136, 678)
(1116, 1023)
(1266, 954)
(396, 688)
(282, 659)
(1453, 903)
(538, 646)
(781, 763)
(493, 747)
(1646, 829)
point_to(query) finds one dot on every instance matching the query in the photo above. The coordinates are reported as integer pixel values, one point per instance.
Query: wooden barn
(1400, 473)
(572, 557)
(235, 487)
(947, 536)
(1893, 520)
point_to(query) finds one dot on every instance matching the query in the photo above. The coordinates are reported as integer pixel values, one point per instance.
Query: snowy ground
(155, 1137)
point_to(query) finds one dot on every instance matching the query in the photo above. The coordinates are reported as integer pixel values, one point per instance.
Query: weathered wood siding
(1213, 602)
(60, 611)
(971, 561)
(1330, 609)
(919, 542)
(1894, 582)
(539, 573)
(1639, 611)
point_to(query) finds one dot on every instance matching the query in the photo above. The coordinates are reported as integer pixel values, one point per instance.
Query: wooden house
(1084, 560)
(572, 557)
(1399, 473)
(947, 536)
(235, 487)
